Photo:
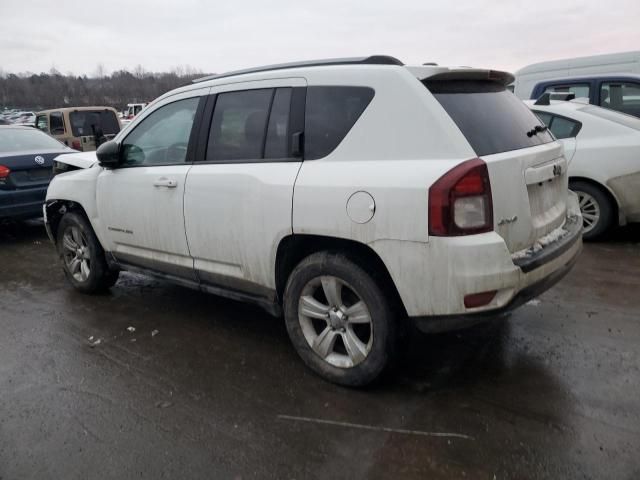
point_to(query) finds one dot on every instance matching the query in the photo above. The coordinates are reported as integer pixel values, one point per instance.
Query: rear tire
(596, 208)
(83, 259)
(339, 320)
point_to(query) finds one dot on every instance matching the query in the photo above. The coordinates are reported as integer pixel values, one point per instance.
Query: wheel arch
(607, 191)
(55, 210)
(293, 248)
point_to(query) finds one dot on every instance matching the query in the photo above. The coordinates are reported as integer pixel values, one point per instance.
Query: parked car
(603, 150)
(81, 128)
(610, 65)
(290, 187)
(132, 110)
(26, 159)
(23, 118)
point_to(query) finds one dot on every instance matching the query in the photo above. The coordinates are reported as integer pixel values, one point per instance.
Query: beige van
(81, 128)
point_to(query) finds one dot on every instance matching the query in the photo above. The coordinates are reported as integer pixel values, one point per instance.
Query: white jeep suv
(349, 195)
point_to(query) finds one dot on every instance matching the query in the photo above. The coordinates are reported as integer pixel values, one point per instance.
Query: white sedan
(603, 150)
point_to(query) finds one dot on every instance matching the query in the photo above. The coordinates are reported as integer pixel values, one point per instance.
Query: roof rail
(371, 60)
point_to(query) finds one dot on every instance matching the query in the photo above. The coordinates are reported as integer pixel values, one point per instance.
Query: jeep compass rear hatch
(527, 170)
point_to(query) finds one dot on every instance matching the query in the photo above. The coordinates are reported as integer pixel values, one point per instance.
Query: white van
(528, 77)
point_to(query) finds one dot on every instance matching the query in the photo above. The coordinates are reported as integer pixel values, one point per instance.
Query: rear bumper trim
(554, 250)
(442, 323)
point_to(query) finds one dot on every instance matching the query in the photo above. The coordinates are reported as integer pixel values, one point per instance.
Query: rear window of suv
(86, 122)
(492, 119)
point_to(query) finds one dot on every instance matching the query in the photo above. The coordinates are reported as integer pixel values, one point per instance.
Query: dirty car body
(274, 184)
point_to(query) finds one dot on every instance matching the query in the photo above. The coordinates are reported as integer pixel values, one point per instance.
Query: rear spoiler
(504, 78)
(545, 98)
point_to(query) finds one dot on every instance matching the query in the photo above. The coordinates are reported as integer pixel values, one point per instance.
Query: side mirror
(109, 154)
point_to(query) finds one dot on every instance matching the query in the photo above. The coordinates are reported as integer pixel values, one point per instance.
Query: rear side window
(329, 115)
(88, 122)
(492, 119)
(56, 123)
(250, 125)
(561, 127)
(620, 96)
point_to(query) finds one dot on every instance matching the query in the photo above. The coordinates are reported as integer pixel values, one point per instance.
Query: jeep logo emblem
(557, 170)
(39, 160)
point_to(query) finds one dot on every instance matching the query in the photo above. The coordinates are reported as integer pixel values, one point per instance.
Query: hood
(79, 159)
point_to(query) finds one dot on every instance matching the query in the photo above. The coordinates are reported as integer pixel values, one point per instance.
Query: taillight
(76, 145)
(460, 201)
(4, 172)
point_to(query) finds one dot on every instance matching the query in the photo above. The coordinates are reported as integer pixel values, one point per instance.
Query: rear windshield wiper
(536, 130)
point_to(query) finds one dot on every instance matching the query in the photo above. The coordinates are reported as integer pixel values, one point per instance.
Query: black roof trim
(545, 98)
(372, 60)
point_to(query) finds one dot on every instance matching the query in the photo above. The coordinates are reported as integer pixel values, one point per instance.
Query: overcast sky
(216, 36)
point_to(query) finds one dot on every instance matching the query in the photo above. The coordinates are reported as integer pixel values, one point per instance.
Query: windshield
(88, 122)
(492, 119)
(19, 140)
(614, 116)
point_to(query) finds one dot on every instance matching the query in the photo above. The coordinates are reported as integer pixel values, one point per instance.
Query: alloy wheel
(76, 253)
(590, 211)
(335, 321)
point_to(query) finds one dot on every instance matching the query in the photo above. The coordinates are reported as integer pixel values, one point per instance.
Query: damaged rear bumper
(539, 271)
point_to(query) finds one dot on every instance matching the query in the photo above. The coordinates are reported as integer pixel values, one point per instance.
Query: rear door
(527, 168)
(140, 204)
(238, 198)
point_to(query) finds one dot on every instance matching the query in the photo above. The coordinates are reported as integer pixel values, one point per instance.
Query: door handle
(165, 182)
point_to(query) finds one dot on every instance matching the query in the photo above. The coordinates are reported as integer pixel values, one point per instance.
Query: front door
(140, 204)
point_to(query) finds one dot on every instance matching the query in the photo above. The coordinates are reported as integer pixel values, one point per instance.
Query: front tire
(82, 256)
(596, 208)
(339, 320)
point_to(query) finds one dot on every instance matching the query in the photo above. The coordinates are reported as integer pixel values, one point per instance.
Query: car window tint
(492, 119)
(621, 96)
(329, 115)
(163, 136)
(41, 123)
(277, 144)
(563, 127)
(56, 123)
(580, 90)
(88, 122)
(544, 116)
(239, 125)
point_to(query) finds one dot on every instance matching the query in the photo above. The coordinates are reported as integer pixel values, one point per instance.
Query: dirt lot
(209, 388)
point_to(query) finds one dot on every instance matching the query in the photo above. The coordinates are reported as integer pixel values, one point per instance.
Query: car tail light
(4, 172)
(460, 201)
(479, 299)
(76, 145)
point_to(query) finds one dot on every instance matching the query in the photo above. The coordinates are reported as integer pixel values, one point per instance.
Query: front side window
(621, 96)
(41, 123)
(329, 115)
(162, 137)
(581, 90)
